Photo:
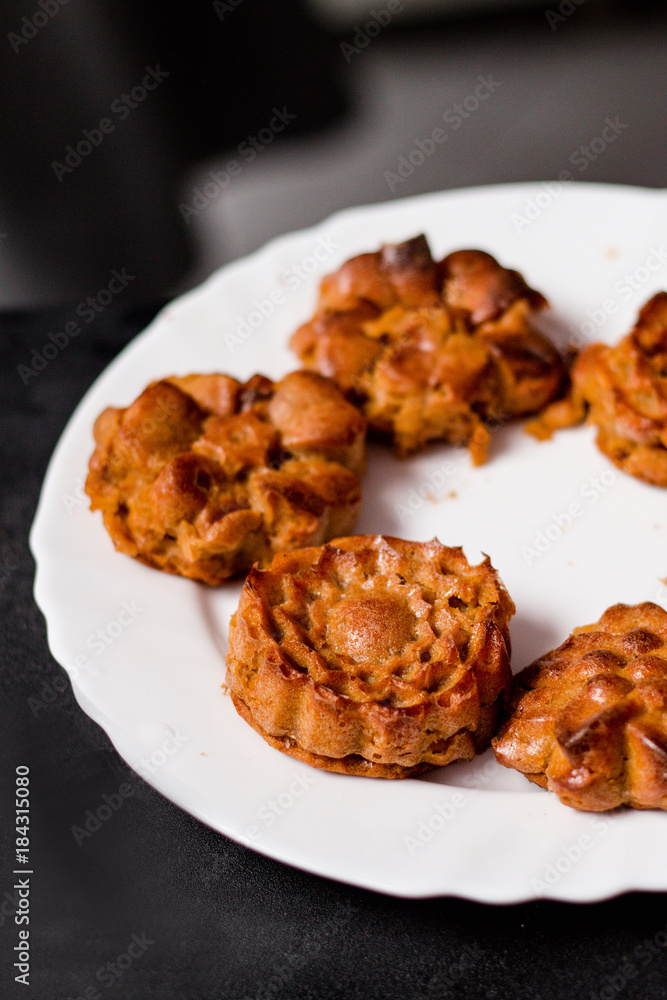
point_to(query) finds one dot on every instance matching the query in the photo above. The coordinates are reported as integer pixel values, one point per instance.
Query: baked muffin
(589, 719)
(623, 389)
(204, 476)
(432, 351)
(372, 655)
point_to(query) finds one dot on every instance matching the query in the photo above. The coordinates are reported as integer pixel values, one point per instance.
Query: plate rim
(37, 538)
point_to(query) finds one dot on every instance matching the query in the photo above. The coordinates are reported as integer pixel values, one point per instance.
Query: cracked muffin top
(432, 350)
(204, 475)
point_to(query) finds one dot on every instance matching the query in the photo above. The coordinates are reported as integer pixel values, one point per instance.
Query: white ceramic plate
(145, 651)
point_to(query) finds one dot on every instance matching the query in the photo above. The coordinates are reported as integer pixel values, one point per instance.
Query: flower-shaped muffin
(589, 719)
(372, 655)
(204, 476)
(432, 351)
(624, 391)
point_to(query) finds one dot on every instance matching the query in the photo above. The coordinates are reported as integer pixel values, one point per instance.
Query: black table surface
(158, 905)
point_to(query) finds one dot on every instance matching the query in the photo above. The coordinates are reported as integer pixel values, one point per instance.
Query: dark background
(357, 112)
(225, 923)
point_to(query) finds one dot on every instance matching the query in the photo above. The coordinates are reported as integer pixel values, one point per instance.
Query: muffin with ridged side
(372, 655)
(589, 719)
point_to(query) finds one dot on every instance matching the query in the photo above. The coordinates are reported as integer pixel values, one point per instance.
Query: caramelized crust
(431, 351)
(624, 391)
(589, 719)
(372, 655)
(203, 475)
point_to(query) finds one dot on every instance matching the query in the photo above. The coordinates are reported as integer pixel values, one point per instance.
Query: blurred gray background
(197, 170)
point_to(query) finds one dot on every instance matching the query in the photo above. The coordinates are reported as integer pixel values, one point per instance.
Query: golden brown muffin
(624, 391)
(589, 719)
(203, 475)
(372, 655)
(432, 351)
